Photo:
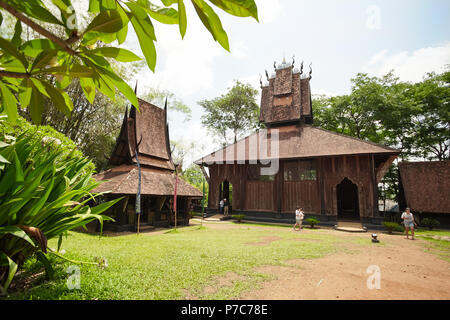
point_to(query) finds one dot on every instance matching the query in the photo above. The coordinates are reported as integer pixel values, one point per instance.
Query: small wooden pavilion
(332, 176)
(145, 131)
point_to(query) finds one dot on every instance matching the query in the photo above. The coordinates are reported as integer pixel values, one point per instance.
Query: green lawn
(437, 242)
(172, 265)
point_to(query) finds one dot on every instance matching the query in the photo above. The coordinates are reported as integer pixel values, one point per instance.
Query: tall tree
(232, 114)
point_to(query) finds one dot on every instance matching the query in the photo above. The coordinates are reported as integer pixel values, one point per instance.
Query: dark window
(254, 174)
(300, 170)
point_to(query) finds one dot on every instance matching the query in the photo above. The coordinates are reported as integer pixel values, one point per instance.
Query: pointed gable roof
(147, 127)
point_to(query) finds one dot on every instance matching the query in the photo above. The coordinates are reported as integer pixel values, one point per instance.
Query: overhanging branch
(63, 44)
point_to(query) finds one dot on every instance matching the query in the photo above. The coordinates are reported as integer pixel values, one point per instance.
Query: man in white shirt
(221, 203)
(299, 215)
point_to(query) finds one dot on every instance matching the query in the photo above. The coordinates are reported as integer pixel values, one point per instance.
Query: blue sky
(339, 37)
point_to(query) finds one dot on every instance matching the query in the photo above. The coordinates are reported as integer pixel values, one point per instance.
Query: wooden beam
(205, 174)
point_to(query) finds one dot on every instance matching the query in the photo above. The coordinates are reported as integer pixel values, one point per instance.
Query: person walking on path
(408, 221)
(221, 203)
(299, 215)
(225, 207)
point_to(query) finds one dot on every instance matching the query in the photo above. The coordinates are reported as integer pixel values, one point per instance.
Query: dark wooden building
(330, 175)
(148, 128)
(425, 188)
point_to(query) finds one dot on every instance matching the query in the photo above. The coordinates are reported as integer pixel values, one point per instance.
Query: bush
(45, 189)
(430, 223)
(391, 226)
(312, 222)
(238, 217)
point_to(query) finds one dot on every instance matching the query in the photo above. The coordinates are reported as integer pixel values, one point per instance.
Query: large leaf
(118, 54)
(163, 15)
(146, 43)
(212, 22)
(239, 8)
(88, 86)
(182, 20)
(9, 102)
(34, 47)
(106, 22)
(12, 269)
(139, 16)
(49, 272)
(16, 39)
(16, 232)
(10, 49)
(35, 9)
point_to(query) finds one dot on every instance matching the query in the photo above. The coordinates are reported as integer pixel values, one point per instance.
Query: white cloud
(410, 66)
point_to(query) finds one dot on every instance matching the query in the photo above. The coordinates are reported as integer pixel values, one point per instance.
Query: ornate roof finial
(293, 60)
(310, 71)
(267, 75)
(260, 80)
(301, 68)
(275, 65)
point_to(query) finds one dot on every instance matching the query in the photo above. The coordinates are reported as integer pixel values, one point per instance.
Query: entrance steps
(350, 226)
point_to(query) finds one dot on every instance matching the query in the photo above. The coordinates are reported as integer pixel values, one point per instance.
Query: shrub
(430, 223)
(312, 222)
(238, 217)
(44, 192)
(391, 226)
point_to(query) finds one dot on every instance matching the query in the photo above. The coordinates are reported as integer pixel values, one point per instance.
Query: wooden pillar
(279, 187)
(321, 186)
(374, 186)
(243, 182)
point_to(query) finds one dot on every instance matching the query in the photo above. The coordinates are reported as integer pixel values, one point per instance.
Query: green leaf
(34, 47)
(16, 39)
(146, 43)
(10, 49)
(43, 59)
(182, 18)
(101, 5)
(18, 167)
(59, 98)
(163, 15)
(36, 106)
(35, 9)
(212, 22)
(239, 8)
(77, 71)
(119, 54)
(16, 232)
(140, 16)
(9, 102)
(11, 270)
(109, 21)
(88, 86)
(49, 272)
(25, 93)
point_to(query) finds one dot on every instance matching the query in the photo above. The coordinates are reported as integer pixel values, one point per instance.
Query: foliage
(312, 222)
(159, 97)
(44, 67)
(194, 176)
(44, 192)
(390, 226)
(236, 111)
(238, 217)
(430, 223)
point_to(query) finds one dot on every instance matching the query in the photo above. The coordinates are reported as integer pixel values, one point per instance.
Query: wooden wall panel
(260, 195)
(302, 193)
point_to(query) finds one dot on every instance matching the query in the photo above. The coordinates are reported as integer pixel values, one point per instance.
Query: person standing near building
(221, 203)
(225, 206)
(299, 215)
(408, 221)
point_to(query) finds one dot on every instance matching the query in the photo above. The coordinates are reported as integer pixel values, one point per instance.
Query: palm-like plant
(44, 192)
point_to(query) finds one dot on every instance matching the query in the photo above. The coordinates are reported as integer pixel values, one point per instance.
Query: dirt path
(406, 272)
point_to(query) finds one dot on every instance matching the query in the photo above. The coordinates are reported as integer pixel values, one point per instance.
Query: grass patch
(166, 266)
(436, 242)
